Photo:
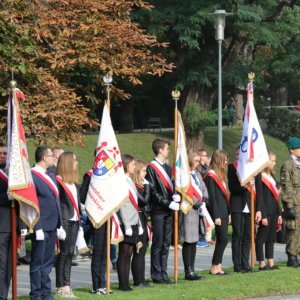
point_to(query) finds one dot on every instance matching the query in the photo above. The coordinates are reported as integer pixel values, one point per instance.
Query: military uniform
(290, 181)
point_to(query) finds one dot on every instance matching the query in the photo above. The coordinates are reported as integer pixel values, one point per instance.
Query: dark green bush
(284, 123)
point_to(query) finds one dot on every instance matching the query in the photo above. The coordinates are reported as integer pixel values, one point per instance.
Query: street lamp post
(107, 79)
(219, 18)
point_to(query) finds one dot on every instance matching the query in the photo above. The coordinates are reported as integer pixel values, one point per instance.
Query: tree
(60, 50)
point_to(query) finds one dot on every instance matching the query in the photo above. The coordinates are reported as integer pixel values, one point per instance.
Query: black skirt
(134, 238)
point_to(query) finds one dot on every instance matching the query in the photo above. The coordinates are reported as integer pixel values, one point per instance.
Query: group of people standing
(153, 199)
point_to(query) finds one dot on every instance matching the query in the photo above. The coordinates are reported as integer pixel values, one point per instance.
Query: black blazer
(239, 196)
(144, 198)
(5, 208)
(218, 206)
(84, 187)
(271, 206)
(161, 197)
(67, 208)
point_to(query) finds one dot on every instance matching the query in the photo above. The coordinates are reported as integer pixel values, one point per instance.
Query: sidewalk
(81, 275)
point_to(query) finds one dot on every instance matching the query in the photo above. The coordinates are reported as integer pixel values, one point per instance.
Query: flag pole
(251, 78)
(175, 96)
(13, 85)
(107, 81)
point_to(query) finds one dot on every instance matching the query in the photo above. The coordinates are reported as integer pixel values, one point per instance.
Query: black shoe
(292, 261)
(75, 264)
(167, 281)
(24, 261)
(274, 268)
(238, 269)
(158, 281)
(245, 270)
(126, 289)
(265, 268)
(192, 276)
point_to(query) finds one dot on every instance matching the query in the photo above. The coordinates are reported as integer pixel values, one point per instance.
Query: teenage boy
(163, 203)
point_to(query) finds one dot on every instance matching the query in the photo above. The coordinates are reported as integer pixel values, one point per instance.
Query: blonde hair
(192, 153)
(139, 165)
(267, 168)
(65, 168)
(218, 164)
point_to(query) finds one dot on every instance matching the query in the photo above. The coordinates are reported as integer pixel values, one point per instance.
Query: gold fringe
(252, 175)
(108, 215)
(21, 201)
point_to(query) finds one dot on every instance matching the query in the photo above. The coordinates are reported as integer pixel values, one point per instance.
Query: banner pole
(14, 250)
(252, 230)
(176, 212)
(108, 257)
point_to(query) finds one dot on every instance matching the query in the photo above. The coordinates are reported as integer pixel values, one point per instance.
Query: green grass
(234, 286)
(139, 145)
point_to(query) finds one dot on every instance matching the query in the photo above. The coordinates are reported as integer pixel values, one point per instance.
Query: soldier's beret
(293, 143)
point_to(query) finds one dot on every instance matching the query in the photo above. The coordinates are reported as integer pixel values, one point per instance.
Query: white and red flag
(182, 169)
(20, 183)
(108, 188)
(253, 155)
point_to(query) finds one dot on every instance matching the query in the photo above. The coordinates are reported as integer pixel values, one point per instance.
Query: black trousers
(64, 258)
(241, 239)
(266, 235)
(42, 260)
(188, 256)
(98, 264)
(5, 264)
(162, 227)
(221, 241)
(138, 259)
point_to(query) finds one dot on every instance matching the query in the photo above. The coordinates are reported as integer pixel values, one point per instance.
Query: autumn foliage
(55, 45)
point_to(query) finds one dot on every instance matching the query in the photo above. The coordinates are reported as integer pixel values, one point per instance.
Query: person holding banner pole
(67, 178)
(143, 193)
(163, 203)
(271, 216)
(219, 209)
(240, 205)
(189, 222)
(132, 228)
(98, 262)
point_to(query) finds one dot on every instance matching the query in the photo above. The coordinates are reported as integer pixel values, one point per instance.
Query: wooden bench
(154, 123)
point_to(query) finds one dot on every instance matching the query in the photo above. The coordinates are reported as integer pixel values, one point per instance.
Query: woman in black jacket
(216, 180)
(67, 178)
(271, 216)
(143, 191)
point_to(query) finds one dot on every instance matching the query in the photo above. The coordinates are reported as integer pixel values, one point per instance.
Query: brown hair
(126, 160)
(218, 164)
(192, 153)
(158, 144)
(139, 165)
(65, 168)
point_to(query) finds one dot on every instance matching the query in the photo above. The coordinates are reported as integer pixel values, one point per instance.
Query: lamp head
(219, 18)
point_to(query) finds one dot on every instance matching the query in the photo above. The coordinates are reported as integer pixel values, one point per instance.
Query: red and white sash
(89, 172)
(132, 193)
(196, 190)
(43, 176)
(249, 188)
(3, 176)
(116, 232)
(221, 184)
(269, 181)
(162, 174)
(70, 195)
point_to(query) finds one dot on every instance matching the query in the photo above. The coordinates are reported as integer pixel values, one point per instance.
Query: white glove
(61, 234)
(174, 205)
(141, 230)
(39, 235)
(176, 198)
(24, 232)
(145, 181)
(82, 207)
(128, 231)
(9, 196)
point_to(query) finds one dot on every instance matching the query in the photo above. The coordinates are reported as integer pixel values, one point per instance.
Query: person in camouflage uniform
(290, 182)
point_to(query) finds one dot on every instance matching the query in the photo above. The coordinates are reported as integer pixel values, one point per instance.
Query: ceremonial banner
(108, 188)
(182, 170)
(253, 155)
(20, 183)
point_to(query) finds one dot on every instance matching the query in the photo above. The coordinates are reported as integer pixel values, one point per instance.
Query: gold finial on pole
(251, 76)
(108, 81)
(176, 95)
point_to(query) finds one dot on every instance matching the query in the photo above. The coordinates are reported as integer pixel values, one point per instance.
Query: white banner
(108, 188)
(253, 155)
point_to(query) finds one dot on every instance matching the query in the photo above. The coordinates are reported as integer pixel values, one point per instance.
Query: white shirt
(73, 190)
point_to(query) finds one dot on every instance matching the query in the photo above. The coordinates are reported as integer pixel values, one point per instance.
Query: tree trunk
(126, 116)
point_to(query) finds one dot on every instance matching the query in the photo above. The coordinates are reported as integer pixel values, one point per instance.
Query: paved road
(81, 275)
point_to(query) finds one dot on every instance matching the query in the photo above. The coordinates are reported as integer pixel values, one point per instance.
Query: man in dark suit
(47, 228)
(5, 228)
